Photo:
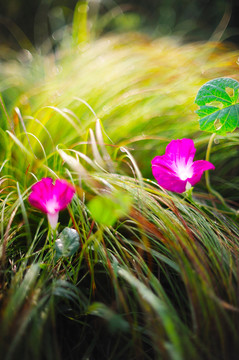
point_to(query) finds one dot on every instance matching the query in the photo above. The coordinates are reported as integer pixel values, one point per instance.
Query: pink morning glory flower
(176, 171)
(51, 198)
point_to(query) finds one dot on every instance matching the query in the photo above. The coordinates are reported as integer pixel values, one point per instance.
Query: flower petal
(176, 171)
(51, 198)
(43, 188)
(181, 151)
(41, 192)
(165, 176)
(53, 219)
(163, 160)
(198, 168)
(37, 201)
(64, 192)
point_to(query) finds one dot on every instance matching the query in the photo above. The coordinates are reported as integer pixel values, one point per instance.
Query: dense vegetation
(155, 275)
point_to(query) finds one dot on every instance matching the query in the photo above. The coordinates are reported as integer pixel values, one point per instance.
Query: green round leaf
(106, 210)
(67, 243)
(219, 107)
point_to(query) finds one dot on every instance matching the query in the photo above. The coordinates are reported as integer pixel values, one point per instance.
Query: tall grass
(162, 281)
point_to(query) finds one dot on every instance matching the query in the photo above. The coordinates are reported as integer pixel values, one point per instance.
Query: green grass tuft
(161, 280)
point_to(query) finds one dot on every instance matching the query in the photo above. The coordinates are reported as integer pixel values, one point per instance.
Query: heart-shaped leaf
(67, 243)
(219, 107)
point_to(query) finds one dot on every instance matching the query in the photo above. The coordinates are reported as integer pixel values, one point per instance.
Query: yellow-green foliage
(136, 86)
(142, 90)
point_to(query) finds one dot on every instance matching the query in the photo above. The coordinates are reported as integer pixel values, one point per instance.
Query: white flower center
(52, 205)
(184, 172)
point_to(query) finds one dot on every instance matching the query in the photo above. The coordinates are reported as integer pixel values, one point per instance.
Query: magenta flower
(51, 198)
(176, 171)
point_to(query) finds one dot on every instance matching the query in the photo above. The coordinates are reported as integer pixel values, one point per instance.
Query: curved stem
(208, 152)
(207, 178)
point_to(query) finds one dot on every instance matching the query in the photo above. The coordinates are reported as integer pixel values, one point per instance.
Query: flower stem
(188, 194)
(207, 178)
(209, 147)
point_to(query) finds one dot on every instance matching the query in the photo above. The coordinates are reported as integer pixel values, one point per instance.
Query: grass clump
(159, 278)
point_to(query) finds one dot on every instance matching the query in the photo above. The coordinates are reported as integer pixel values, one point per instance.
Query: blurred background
(192, 20)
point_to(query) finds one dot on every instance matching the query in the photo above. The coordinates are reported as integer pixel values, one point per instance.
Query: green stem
(209, 147)
(207, 178)
(53, 237)
(188, 194)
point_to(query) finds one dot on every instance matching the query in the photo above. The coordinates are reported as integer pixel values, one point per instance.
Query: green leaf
(106, 210)
(219, 109)
(67, 243)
